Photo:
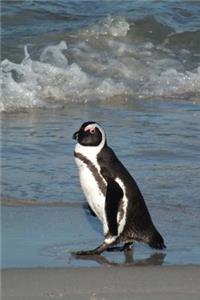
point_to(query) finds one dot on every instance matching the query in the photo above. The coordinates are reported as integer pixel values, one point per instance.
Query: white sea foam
(116, 27)
(53, 55)
(105, 61)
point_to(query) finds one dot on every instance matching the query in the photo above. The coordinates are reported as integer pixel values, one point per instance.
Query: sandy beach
(173, 282)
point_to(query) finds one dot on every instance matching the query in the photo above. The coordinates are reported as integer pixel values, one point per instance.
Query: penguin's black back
(139, 225)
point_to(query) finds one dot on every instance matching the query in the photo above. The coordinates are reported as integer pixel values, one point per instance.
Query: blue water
(134, 67)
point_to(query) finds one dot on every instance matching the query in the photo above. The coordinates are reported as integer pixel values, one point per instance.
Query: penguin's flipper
(114, 195)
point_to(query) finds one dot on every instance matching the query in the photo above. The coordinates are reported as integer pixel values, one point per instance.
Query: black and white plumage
(112, 193)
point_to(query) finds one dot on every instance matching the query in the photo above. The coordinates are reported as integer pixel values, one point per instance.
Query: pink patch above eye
(90, 129)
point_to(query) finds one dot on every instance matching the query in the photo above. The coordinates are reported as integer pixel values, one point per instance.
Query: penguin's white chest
(91, 189)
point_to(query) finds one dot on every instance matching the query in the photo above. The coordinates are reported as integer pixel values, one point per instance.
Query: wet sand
(44, 233)
(173, 282)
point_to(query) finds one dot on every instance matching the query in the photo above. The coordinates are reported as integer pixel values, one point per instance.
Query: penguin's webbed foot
(126, 247)
(85, 252)
(96, 251)
(115, 249)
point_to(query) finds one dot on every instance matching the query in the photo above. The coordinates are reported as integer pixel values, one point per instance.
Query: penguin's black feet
(115, 249)
(126, 247)
(85, 252)
(96, 251)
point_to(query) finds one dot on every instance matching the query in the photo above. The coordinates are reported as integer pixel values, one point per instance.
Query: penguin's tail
(157, 242)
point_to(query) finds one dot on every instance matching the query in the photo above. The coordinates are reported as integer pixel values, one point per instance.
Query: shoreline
(152, 282)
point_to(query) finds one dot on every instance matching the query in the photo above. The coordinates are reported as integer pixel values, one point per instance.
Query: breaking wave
(107, 61)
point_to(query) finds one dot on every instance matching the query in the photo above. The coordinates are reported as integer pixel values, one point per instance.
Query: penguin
(112, 193)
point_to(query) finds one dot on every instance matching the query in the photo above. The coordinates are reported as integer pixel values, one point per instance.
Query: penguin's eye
(92, 130)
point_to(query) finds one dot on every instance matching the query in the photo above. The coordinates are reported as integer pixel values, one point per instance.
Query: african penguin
(112, 193)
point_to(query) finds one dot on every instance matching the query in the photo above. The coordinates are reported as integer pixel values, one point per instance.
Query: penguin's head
(90, 134)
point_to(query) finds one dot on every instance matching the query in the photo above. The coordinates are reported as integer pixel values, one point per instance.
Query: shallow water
(159, 143)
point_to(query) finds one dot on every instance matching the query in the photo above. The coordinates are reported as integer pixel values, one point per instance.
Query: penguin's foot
(115, 249)
(95, 251)
(85, 252)
(126, 247)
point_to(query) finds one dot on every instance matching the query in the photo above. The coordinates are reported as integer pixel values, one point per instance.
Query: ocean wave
(106, 61)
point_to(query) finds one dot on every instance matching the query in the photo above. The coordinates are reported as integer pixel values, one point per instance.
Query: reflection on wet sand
(155, 259)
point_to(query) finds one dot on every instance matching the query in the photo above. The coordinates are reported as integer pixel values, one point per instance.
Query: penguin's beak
(75, 135)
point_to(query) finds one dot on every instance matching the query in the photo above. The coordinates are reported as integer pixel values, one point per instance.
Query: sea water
(132, 66)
